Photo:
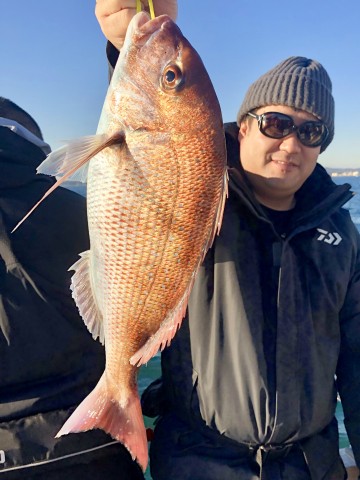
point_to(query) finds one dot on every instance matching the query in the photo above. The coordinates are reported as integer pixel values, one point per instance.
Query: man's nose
(291, 144)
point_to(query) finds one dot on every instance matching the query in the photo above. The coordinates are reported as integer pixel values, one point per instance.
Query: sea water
(152, 370)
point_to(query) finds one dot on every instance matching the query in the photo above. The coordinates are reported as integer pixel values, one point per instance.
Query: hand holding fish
(114, 16)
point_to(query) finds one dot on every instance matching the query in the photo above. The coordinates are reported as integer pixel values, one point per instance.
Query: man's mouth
(285, 163)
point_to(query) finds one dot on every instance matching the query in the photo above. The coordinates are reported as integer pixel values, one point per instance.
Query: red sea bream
(156, 187)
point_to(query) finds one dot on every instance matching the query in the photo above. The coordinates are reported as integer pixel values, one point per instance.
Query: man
(49, 361)
(250, 381)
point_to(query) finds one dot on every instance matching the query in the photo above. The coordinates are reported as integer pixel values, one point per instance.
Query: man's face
(276, 168)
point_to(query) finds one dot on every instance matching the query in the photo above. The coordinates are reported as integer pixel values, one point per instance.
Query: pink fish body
(156, 187)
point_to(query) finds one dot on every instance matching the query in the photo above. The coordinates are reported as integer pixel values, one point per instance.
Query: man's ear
(244, 126)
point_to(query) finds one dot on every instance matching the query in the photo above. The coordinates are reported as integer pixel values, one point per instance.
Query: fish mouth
(143, 27)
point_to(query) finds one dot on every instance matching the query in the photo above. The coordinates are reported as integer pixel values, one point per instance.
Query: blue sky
(53, 60)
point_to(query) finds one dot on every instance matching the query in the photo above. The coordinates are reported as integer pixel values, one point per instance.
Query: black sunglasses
(278, 125)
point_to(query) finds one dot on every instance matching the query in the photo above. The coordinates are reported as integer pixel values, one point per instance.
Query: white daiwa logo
(333, 238)
(2, 456)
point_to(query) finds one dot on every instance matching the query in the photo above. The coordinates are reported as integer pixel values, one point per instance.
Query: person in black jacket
(49, 361)
(272, 333)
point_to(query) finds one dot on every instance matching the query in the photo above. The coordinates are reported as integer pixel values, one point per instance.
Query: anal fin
(165, 334)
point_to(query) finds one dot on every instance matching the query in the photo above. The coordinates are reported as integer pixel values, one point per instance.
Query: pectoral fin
(71, 161)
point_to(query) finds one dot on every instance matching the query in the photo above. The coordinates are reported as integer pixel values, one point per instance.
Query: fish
(156, 188)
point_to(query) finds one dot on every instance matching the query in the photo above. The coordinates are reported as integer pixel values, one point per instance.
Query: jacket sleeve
(112, 55)
(348, 370)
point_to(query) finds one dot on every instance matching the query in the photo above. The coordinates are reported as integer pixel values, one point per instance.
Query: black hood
(19, 159)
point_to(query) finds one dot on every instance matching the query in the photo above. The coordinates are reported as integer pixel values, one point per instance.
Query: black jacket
(48, 360)
(272, 319)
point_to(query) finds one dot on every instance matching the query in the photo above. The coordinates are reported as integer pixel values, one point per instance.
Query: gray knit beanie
(297, 82)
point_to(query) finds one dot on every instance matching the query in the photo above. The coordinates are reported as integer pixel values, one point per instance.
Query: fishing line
(151, 7)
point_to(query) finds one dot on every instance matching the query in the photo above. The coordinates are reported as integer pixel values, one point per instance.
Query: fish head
(160, 82)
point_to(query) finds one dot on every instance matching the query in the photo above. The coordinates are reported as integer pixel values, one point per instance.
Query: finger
(165, 7)
(109, 7)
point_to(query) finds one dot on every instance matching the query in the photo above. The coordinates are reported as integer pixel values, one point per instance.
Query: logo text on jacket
(332, 238)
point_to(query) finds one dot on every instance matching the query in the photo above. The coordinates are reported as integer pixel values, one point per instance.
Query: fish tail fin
(123, 422)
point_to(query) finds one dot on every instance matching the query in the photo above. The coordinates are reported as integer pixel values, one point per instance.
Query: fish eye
(172, 77)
